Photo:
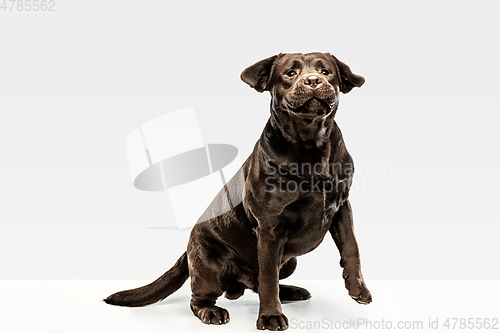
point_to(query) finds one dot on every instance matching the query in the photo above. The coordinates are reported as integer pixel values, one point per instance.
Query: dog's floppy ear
(348, 79)
(257, 76)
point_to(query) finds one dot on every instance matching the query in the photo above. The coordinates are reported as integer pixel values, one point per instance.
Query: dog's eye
(291, 73)
(325, 72)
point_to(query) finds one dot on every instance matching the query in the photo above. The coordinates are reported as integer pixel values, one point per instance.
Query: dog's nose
(312, 81)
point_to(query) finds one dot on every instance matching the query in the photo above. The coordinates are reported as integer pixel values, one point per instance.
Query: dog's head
(305, 84)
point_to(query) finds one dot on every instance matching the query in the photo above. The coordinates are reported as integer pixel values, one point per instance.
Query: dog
(292, 190)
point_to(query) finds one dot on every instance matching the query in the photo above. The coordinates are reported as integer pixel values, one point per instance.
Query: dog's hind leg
(291, 293)
(288, 268)
(206, 287)
(205, 294)
(235, 290)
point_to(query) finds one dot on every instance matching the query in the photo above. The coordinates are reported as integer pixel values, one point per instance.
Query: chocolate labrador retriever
(293, 189)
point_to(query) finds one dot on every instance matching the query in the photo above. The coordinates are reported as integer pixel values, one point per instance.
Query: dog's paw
(213, 315)
(357, 289)
(277, 322)
(364, 298)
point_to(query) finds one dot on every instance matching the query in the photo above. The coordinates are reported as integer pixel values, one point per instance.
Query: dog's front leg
(269, 251)
(342, 231)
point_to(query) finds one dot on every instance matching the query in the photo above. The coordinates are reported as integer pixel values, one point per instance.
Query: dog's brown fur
(294, 190)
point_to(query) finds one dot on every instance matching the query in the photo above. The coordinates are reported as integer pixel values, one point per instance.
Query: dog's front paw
(357, 289)
(278, 322)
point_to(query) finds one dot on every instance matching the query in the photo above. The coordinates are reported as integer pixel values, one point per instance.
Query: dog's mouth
(314, 103)
(313, 107)
(308, 102)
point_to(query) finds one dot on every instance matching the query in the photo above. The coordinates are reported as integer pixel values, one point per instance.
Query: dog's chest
(334, 193)
(331, 193)
(309, 218)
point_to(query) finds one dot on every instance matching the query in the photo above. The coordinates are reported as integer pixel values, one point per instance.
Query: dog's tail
(154, 292)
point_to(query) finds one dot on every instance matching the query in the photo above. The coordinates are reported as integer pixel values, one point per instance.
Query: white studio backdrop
(423, 130)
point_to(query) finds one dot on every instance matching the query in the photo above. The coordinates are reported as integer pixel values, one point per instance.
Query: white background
(423, 130)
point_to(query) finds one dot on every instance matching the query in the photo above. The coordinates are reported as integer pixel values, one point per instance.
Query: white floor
(66, 306)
